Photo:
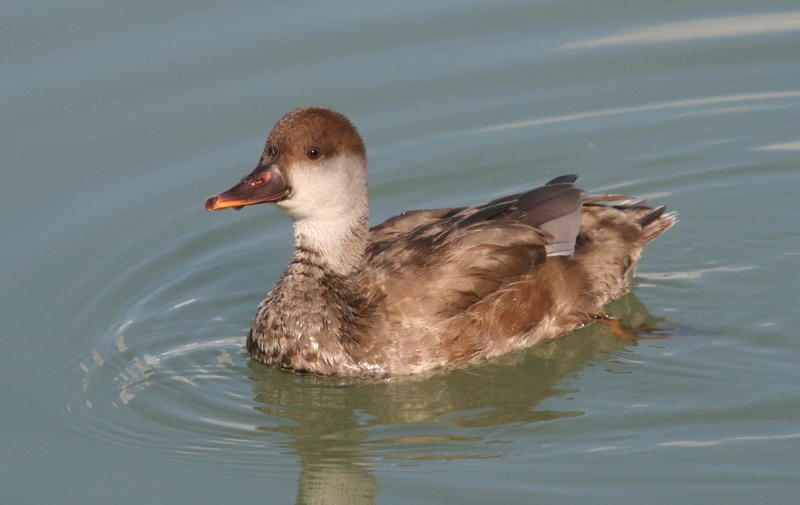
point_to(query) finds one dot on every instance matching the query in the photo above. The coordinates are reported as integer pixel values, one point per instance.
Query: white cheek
(328, 192)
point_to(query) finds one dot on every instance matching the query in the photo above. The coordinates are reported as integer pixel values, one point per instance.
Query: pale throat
(330, 211)
(340, 242)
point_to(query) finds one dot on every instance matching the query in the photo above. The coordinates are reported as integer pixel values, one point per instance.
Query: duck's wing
(439, 262)
(408, 221)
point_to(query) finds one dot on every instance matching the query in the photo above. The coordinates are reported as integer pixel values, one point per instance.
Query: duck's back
(467, 283)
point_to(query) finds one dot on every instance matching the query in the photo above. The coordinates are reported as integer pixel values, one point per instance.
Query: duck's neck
(315, 318)
(336, 245)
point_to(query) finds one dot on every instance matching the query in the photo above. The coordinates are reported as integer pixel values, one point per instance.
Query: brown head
(313, 164)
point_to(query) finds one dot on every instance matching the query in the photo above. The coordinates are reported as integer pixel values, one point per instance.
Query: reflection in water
(338, 427)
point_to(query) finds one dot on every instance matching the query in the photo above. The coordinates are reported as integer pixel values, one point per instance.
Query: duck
(426, 289)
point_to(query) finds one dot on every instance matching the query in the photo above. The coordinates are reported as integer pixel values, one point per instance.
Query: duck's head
(314, 165)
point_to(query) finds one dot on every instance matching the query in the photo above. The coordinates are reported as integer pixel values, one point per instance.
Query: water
(125, 304)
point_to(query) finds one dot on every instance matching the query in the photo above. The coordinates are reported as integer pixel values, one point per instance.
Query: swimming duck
(427, 288)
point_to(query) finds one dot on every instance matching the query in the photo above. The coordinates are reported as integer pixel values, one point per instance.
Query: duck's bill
(264, 184)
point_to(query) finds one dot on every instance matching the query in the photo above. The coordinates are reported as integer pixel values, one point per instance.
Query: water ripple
(701, 29)
(675, 104)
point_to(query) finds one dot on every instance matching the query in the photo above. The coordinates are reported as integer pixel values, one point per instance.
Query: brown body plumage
(427, 288)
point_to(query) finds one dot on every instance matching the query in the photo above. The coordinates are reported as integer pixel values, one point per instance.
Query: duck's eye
(258, 181)
(272, 152)
(313, 153)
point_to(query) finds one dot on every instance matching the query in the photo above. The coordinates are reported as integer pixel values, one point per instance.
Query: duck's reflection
(338, 427)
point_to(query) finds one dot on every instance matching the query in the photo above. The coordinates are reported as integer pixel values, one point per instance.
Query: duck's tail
(614, 232)
(653, 221)
(656, 222)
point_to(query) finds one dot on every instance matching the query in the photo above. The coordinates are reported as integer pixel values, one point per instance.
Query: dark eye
(272, 152)
(313, 153)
